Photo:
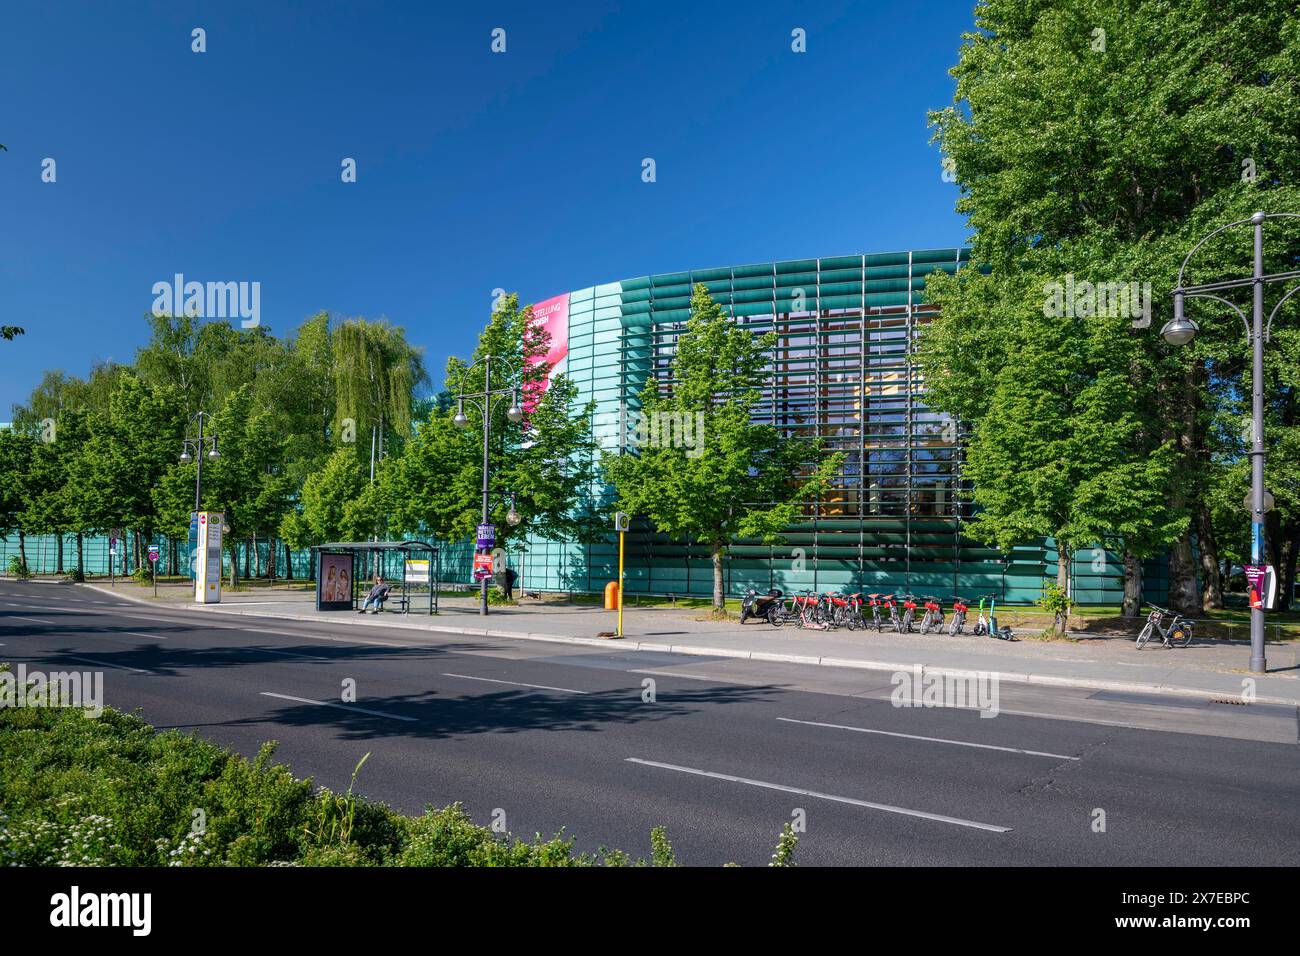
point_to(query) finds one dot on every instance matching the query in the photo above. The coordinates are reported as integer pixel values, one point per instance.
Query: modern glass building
(843, 370)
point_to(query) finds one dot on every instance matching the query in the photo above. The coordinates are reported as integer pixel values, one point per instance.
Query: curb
(1018, 677)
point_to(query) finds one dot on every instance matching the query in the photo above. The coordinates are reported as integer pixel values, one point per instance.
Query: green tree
(376, 374)
(734, 477)
(125, 455)
(328, 499)
(546, 461)
(1101, 140)
(16, 453)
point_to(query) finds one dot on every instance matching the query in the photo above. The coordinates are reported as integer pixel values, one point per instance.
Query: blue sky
(475, 170)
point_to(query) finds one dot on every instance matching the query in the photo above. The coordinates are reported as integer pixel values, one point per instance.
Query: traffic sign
(153, 552)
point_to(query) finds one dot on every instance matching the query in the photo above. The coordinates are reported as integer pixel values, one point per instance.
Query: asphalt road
(727, 751)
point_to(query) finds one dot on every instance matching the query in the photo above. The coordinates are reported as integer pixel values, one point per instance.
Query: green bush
(113, 792)
(18, 568)
(1055, 601)
(498, 597)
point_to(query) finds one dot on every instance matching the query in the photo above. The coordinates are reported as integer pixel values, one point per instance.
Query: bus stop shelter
(345, 571)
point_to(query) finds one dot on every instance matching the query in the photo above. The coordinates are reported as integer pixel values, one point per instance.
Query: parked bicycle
(891, 603)
(933, 619)
(874, 602)
(1177, 634)
(959, 609)
(909, 614)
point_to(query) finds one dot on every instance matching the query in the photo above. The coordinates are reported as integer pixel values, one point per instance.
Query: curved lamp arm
(1234, 308)
(1277, 308)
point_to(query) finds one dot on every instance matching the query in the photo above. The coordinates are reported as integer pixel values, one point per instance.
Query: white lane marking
(933, 740)
(822, 796)
(120, 667)
(155, 637)
(491, 680)
(330, 703)
(34, 620)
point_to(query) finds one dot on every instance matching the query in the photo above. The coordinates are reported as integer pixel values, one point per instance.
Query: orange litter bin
(611, 596)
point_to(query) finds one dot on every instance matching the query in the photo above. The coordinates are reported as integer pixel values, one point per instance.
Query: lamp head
(185, 454)
(1180, 329)
(460, 421)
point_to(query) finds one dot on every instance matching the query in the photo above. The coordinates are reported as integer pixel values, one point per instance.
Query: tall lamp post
(484, 402)
(198, 444)
(1180, 330)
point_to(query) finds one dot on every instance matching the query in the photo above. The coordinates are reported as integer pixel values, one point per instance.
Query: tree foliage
(1099, 141)
(735, 477)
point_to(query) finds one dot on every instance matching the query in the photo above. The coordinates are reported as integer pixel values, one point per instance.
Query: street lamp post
(198, 444)
(1180, 330)
(484, 401)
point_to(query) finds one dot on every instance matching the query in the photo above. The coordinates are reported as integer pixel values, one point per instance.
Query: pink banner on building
(553, 316)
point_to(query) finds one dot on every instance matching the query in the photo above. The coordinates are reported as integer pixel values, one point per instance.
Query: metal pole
(198, 460)
(620, 584)
(1258, 661)
(487, 408)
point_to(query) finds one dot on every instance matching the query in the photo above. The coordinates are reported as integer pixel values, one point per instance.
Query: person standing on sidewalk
(508, 583)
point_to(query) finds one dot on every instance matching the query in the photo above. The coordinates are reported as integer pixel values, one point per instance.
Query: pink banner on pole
(552, 315)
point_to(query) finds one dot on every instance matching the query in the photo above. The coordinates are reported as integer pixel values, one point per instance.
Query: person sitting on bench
(377, 595)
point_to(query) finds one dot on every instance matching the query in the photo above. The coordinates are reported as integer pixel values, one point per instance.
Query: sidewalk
(1207, 668)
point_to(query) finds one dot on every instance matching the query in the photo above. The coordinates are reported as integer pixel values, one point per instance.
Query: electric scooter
(1002, 633)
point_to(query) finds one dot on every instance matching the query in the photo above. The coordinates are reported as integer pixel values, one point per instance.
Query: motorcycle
(767, 606)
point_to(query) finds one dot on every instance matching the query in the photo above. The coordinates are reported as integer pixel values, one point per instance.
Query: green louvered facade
(843, 371)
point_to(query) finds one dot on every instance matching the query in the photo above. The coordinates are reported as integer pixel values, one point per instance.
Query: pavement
(1207, 668)
(607, 741)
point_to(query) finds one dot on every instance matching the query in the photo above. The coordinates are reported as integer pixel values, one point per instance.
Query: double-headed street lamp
(198, 444)
(1180, 330)
(484, 402)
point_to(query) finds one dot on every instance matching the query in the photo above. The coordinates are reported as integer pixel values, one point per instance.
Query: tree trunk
(1183, 594)
(1212, 595)
(719, 598)
(1063, 556)
(59, 556)
(1287, 568)
(22, 548)
(1132, 606)
(246, 549)
(288, 563)
(81, 556)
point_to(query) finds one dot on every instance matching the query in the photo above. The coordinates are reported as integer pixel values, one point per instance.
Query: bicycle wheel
(1181, 634)
(776, 615)
(1145, 635)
